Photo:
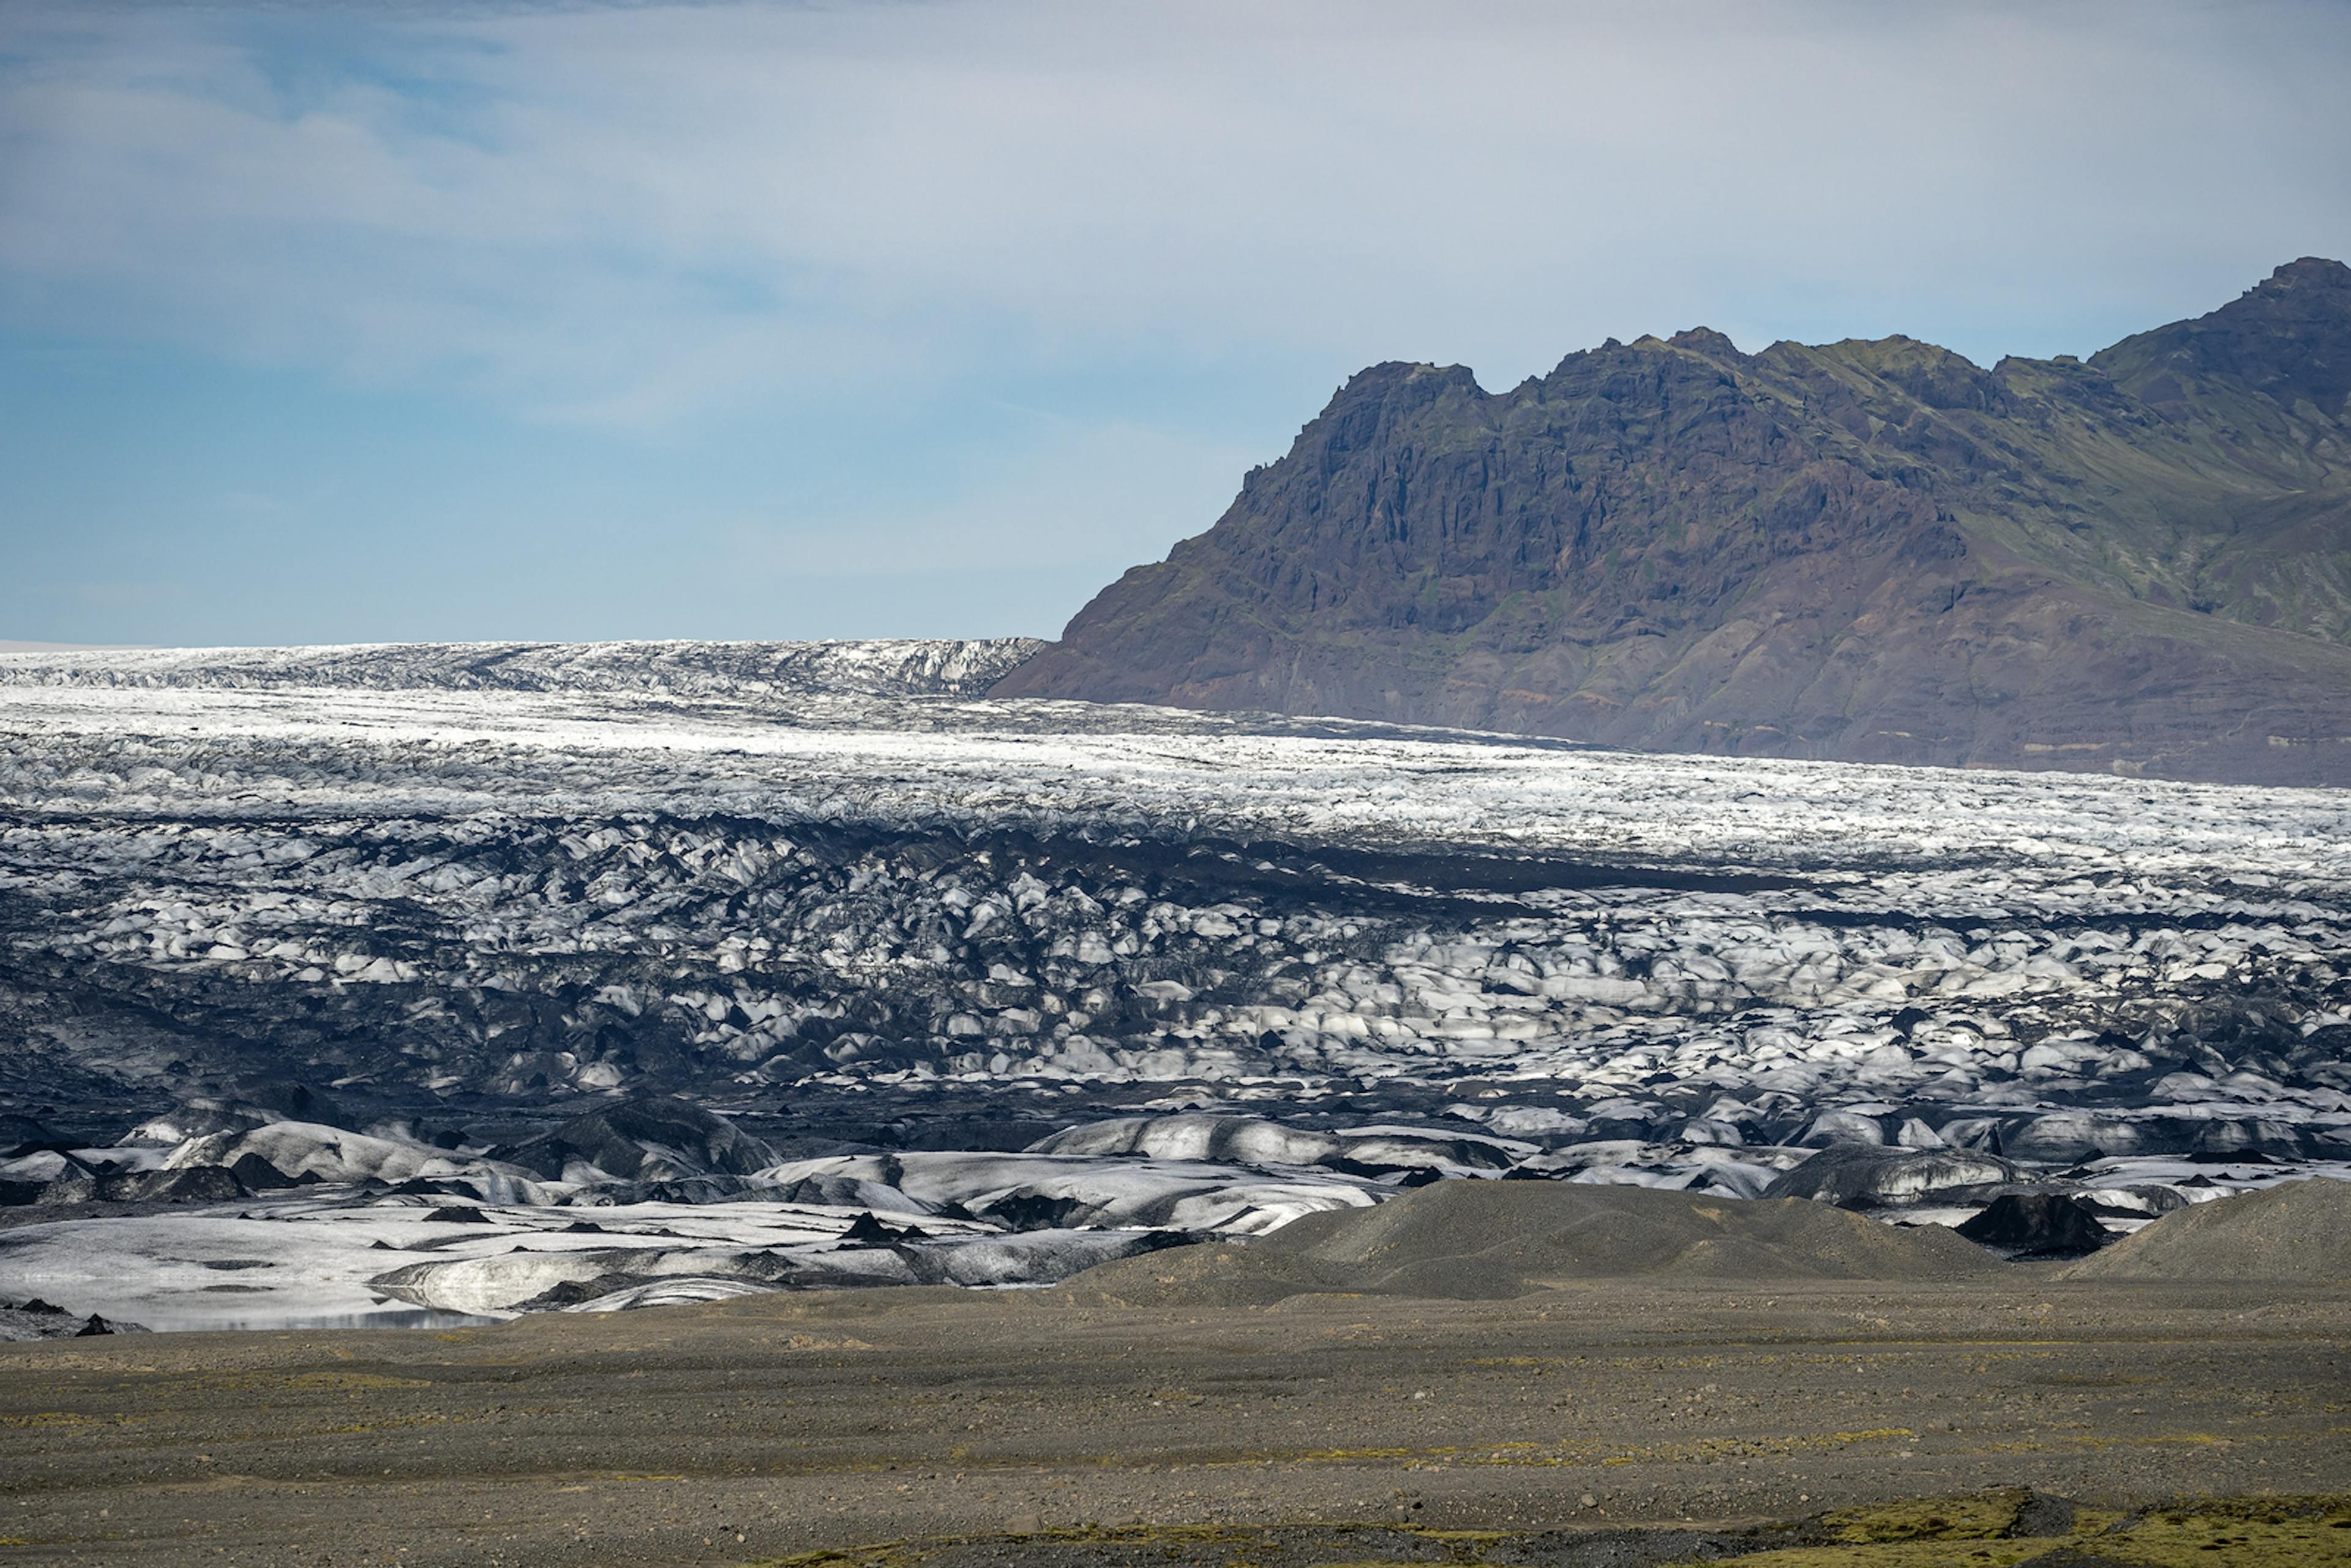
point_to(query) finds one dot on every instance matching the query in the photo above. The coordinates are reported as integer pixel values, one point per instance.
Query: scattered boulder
(2040, 1514)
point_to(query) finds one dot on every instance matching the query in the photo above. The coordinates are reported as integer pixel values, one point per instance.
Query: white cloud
(633, 214)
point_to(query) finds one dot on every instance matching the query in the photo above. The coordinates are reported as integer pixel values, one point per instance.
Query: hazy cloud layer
(654, 222)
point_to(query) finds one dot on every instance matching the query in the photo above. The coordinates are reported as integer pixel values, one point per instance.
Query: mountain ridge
(1870, 551)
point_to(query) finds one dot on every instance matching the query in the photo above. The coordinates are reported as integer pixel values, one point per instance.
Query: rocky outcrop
(1866, 550)
(37, 1318)
(2032, 1225)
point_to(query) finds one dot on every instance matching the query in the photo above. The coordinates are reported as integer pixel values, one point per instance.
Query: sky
(341, 322)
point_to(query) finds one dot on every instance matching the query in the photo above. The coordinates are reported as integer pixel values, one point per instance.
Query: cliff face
(1869, 551)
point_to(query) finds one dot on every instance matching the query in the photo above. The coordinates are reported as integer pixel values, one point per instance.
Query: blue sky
(419, 320)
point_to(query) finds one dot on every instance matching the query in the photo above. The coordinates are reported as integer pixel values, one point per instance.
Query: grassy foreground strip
(2009, 1528)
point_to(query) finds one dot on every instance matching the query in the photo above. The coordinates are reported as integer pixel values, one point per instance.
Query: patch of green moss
(1968, 1532)
(2302, 1532)
(1984, 1518)
(1898, 1554)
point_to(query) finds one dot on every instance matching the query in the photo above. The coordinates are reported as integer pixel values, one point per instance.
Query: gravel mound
(1478, 1240)
(2294, 1230)
(2038, 1225)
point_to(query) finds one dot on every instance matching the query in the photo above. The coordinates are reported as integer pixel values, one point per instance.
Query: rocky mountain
(1866, 550)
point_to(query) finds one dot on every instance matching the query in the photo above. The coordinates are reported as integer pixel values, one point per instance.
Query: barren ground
(771, 1426)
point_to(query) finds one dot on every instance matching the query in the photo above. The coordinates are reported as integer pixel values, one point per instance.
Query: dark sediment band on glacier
(357, 954)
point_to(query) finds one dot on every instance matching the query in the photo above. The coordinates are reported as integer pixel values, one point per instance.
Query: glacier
(1147, 971)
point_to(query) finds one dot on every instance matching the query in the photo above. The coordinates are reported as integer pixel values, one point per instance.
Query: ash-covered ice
(329, 930)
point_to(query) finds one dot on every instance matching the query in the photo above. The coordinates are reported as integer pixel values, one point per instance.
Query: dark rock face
(1872, 552)
(175, 1184)
(35, 1320)
(2038, 1225)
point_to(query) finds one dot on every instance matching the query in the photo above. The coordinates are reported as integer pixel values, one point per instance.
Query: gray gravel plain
(759, 1428)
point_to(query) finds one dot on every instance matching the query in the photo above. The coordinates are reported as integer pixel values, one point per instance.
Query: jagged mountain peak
(1707, 342)
(2316, 282)
(2287, 338)
(1871, 549)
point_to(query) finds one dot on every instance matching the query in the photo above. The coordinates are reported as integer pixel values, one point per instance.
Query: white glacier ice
(1217, 969)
